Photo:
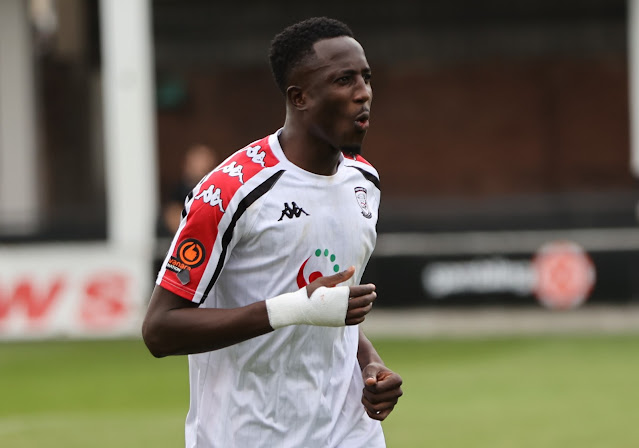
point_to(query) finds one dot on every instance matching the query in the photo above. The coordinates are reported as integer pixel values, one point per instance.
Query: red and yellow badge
(191, 252)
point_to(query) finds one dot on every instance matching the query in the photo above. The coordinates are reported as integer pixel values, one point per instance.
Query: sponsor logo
(481, 276)
(92, 300)
(292, 212)
(565, 275)
(360, 196)
(256, 155)
(323, 258)
(190, 254)
(561, 275)
(212, 196)
(234, 170)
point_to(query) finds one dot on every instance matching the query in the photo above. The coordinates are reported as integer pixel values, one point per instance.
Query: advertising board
(72, 291)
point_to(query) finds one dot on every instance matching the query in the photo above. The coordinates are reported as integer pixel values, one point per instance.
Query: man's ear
(296, 97)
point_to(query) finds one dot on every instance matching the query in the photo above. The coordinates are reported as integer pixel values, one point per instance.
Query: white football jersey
(255, 227)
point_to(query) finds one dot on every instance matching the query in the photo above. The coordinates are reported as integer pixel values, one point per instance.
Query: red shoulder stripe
(357, 158)
(196, 240)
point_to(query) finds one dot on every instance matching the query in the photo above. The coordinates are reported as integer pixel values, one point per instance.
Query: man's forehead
(338, 49)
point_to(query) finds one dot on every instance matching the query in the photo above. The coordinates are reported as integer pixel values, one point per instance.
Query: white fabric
(325, 307)
(301, 385)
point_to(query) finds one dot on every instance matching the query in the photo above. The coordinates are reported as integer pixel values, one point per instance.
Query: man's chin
(352, 150)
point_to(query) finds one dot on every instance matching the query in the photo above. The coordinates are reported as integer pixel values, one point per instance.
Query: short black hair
(295, 43)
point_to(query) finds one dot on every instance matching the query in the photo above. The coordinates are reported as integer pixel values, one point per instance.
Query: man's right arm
(176, 326)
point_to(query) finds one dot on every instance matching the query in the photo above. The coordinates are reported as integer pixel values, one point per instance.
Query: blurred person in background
(276, 355)
(199, 160)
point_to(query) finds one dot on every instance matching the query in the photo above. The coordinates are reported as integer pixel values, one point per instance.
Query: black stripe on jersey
(188, 198)
(371, 177)
(245, 203)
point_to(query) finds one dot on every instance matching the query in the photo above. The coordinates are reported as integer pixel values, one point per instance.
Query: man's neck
(308, 152)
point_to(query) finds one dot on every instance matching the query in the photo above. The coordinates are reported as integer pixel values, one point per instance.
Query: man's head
(295, 43)
(323, 72)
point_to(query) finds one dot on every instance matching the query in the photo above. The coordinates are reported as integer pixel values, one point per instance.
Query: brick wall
(466, 130)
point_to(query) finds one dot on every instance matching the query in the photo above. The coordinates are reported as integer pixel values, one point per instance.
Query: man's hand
(382, 389)
(361, 297)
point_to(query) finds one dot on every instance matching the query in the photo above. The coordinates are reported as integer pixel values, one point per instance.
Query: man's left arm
(382, 386)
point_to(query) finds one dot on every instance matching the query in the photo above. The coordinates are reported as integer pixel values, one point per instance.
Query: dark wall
(472, 100)
(469, 130)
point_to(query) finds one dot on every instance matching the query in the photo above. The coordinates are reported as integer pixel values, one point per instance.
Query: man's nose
(364, 91)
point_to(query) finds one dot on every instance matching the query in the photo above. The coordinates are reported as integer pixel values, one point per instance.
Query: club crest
(360, 196)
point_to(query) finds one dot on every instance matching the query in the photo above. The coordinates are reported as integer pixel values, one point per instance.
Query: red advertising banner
(83, 291)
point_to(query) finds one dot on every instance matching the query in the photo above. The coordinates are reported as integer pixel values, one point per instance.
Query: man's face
(339, 93)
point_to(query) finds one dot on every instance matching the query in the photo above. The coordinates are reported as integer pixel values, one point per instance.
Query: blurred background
(504, 134)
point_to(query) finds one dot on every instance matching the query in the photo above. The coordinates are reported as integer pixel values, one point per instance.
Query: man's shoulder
(257, 154)
(357, 158)
(363, 166)
(246, 162)
(237, 171)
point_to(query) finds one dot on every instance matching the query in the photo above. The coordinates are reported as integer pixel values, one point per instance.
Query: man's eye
(344, 80)
(367, 77)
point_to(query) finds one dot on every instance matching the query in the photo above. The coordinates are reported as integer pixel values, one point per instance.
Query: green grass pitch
(507, 392)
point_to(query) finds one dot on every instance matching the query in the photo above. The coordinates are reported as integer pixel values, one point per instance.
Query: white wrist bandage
(325, 307)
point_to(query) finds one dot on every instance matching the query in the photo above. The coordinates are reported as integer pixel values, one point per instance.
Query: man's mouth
(362, 121)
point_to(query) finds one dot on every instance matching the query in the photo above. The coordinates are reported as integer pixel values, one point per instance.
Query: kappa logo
(292, 212)
(212, 196)
(256, 155)
(234, 170)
